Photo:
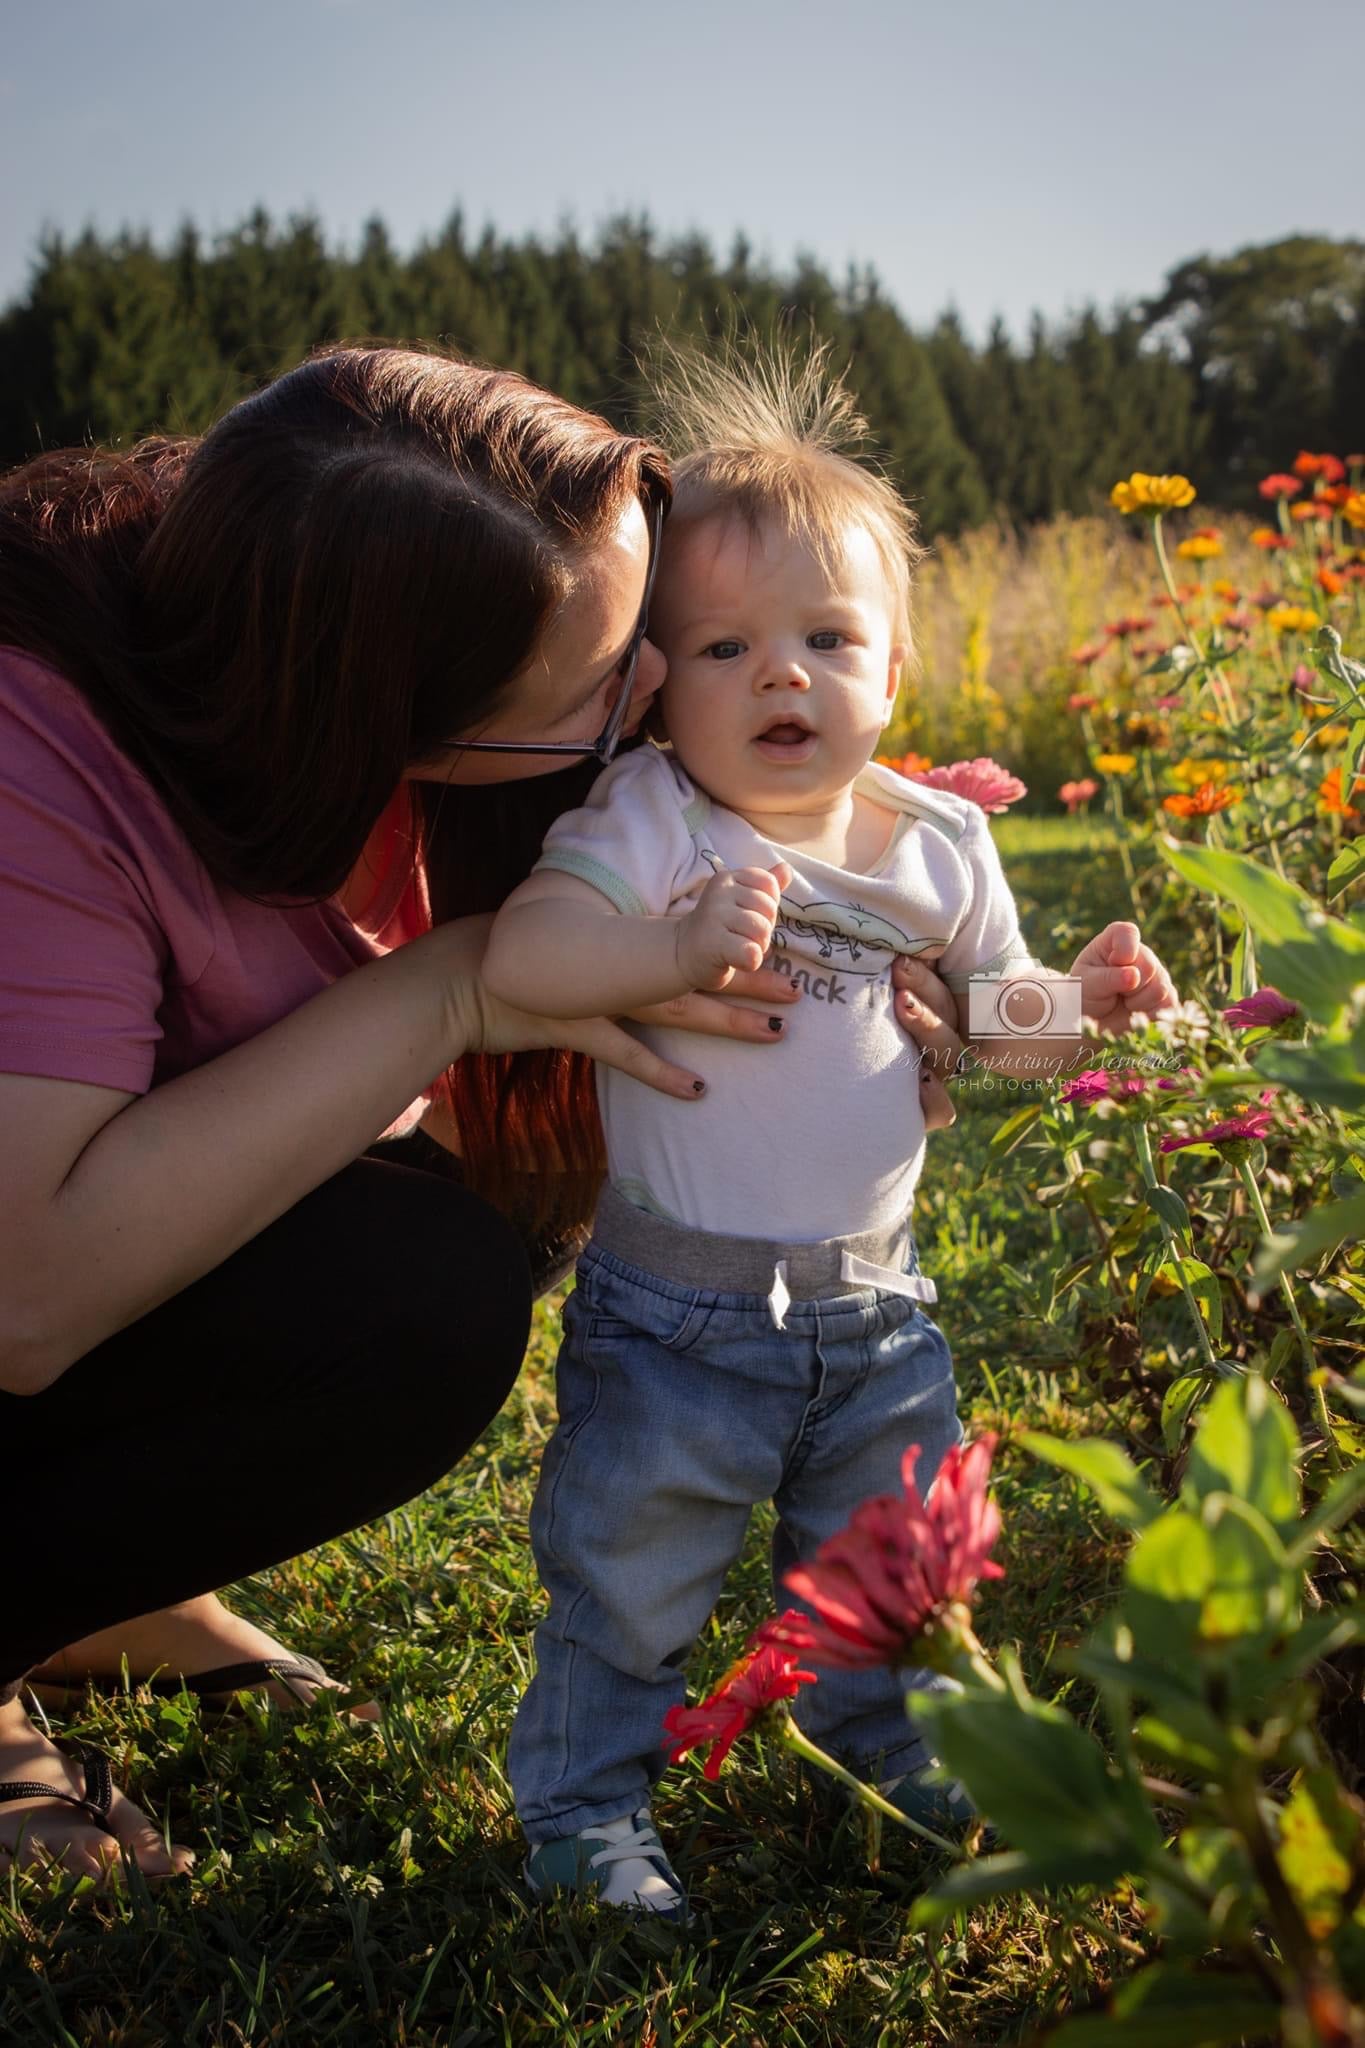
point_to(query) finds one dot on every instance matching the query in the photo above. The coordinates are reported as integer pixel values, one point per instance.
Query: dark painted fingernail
(699, 1087)
(775, 1023)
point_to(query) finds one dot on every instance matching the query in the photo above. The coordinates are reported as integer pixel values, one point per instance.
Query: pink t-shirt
(122, 962)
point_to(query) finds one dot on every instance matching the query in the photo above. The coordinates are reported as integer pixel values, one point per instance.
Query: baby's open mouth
(788, 733)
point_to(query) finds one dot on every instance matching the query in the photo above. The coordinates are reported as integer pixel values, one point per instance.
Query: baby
(748, 1322)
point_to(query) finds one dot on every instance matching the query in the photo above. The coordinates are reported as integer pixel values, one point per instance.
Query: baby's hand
(732, 925)
(1122, 978)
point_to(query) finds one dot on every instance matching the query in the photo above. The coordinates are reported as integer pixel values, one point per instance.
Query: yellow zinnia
(1154, 494)
(1292, 618)
(1353, 511)
(1204, 546)
(1190, 774)
(1116, 764)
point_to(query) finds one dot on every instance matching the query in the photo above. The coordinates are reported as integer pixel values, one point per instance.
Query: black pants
(332, 1368)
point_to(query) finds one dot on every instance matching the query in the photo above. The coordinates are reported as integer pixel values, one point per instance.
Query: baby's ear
(895, 669)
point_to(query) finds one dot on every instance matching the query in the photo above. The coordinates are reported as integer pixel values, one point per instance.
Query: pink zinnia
(1233, 1130)
(1265, 1006)
(763, 1676)
(981, 781)
(1074, 794)
(1091, 1086)
(881, 1583)
(1099, 1084)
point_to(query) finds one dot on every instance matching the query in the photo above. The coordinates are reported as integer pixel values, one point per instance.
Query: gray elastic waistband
(744, 1265)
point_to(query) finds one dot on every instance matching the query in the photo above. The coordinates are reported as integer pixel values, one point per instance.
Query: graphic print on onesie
(821, 1135)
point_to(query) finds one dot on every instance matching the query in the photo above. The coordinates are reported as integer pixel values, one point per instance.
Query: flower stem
(868, 1794)
(1312, 1383)
(1148, 1164)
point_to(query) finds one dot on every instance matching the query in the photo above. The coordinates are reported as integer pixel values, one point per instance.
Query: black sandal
(213, 1687)
(94, 1804)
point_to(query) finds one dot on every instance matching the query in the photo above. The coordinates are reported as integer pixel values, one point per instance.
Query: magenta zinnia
(879, 1587)
(1233, 1130)
(981, 781)
(1265, 1006)
(764, 1676)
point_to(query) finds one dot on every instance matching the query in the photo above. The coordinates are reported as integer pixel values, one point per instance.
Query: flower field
(1210, 1187)
(1143, 1570)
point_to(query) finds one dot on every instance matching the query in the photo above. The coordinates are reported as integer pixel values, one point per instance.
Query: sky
(998, 155)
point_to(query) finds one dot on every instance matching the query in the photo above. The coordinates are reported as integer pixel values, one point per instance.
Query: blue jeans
(679, 1409)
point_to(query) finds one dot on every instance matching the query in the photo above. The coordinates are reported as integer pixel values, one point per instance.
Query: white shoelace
(634, 1880)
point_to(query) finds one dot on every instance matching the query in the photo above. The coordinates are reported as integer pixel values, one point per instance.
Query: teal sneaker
(621, 1861)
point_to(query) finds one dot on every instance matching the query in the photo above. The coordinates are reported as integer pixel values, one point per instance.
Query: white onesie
(823, 1136)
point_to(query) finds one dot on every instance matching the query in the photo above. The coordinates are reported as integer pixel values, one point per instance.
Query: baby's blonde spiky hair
(770, 436)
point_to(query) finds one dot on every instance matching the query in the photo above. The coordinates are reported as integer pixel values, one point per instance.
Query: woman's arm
(111, 1203)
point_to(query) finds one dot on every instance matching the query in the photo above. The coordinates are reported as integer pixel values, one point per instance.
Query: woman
(279, 713)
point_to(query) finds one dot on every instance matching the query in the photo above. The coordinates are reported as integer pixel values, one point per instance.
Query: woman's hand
(927, 1009)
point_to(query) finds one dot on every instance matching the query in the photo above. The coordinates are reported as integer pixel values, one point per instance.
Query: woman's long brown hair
(334, 584)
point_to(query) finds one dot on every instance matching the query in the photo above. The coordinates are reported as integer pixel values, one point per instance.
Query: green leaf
(1179, 1402)
(987, 1877)
(1337, 1505)
(1318, 1835)
(1246, 1445)
(1014, 1128)
(1170, 1207)
(1167, 2007)
(1324, 1072)
(1169, 1571)
(1303, 1242)
(1317, 960)
(1107, 1470)
(1243, 972)
(1203, 1285)
(1348, 864)
(1254, 1590)
(1187, 1738)
(1044, 1782)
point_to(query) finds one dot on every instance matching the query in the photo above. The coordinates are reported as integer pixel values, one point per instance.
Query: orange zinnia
(1267, 537)
(1207, 799)
(1330, 798)
(1354, 509)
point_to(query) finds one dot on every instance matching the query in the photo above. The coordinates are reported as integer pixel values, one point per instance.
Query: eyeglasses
(609, 739)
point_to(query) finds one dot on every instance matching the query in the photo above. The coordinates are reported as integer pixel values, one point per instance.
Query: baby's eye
(724, 650)
(825, 643)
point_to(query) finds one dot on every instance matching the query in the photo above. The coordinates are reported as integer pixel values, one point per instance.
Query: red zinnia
(1131, 622)
(765, 1675)
(1329, 467)
(1279, 486)
(902, 1562)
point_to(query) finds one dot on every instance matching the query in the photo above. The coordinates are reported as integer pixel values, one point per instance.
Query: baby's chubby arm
(561, 948)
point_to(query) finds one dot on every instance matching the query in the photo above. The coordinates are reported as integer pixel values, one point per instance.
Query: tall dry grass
(999, 618)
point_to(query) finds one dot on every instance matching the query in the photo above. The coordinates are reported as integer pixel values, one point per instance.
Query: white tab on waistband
(779, 1301)
(912, 1284)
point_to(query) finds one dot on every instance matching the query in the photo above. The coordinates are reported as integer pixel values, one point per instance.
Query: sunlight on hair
(771, 435)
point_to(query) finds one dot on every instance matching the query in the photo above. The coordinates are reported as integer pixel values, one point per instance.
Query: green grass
(358, 1888)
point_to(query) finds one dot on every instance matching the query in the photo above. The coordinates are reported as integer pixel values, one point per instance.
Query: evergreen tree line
(1236, 364)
